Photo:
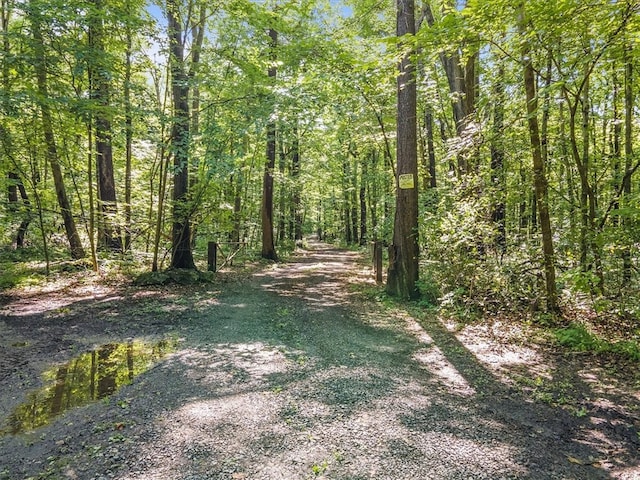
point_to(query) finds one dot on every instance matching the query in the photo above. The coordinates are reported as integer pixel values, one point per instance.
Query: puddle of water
(89, 377)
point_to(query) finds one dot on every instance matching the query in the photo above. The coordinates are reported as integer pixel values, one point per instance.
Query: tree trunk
(26, 203)
(346, 200)
(364, 180)
(181, 255)
(90, 180)
(431, 153)
(237, 208)
(463, 84)
(75, 245)
(497, 163)
(128, 132)
(540, 180)
(99, 75)
(628, 154)
(268, 247)
(353, 201)
(403, 253)
(196, 50)
(588, 230)
(297, 187)
(282, 194)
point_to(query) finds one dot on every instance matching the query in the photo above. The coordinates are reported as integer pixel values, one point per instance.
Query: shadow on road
(291, 375)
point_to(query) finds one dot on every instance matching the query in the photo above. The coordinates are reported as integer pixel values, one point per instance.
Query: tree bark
(128, 132)
(268, 247)
(346, 200)
(297, 187)
(181, 255)
(364, 180)
(100, 93)
(282, 194)
(403, 272)
(628, 153)
(431, 152)
(497, 163)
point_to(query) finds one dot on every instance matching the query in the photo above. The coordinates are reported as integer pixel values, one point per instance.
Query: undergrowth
(577, 338)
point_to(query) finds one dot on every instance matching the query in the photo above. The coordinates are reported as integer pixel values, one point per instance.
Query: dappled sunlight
(627, 473)
(498, 355)
(414, 328)
(436, 363)
(227, 364)
(206, 303)
(317, 276)
(342, 422)
(293, 375)
(25, 306)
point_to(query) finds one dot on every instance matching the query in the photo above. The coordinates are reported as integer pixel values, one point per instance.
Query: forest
(490, 146)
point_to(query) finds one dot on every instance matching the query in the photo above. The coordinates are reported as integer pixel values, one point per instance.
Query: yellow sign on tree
(405, 181)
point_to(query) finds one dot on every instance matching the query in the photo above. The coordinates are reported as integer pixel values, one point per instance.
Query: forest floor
(290, 371)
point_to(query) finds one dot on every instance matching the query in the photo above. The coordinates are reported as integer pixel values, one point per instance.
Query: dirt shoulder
(289, 373)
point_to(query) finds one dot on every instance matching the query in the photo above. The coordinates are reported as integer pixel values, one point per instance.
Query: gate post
(212, 256)
(377, 260)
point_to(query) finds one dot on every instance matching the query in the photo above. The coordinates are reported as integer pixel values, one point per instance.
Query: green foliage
(429, 291)
(578, 338)
(334, 96)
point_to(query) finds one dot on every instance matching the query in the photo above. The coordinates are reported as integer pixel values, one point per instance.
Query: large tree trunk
(540, 179)
(403, 253)
(182, 256)
(75, 245)
(268, 247)
(99, 85)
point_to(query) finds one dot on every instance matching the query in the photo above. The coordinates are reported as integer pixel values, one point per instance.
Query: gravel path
(290, 374)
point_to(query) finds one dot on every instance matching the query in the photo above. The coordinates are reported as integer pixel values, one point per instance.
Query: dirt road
(291, 374)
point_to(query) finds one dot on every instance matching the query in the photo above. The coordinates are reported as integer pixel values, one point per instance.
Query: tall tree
(462, 77)
(539, 175)
(99, 82)
(268, 246)
(128, 126)
(629, 99)
(40, 66)
(403, 252)
(497, 162)
(181, 253)
(297, 187)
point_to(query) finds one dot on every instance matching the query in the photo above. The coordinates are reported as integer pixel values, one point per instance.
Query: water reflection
(88, 377)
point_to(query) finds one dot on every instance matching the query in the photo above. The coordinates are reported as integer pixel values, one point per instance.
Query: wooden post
(377, 260)
(212, 256)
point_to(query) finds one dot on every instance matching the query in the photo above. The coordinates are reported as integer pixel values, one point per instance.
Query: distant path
(291, 374)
